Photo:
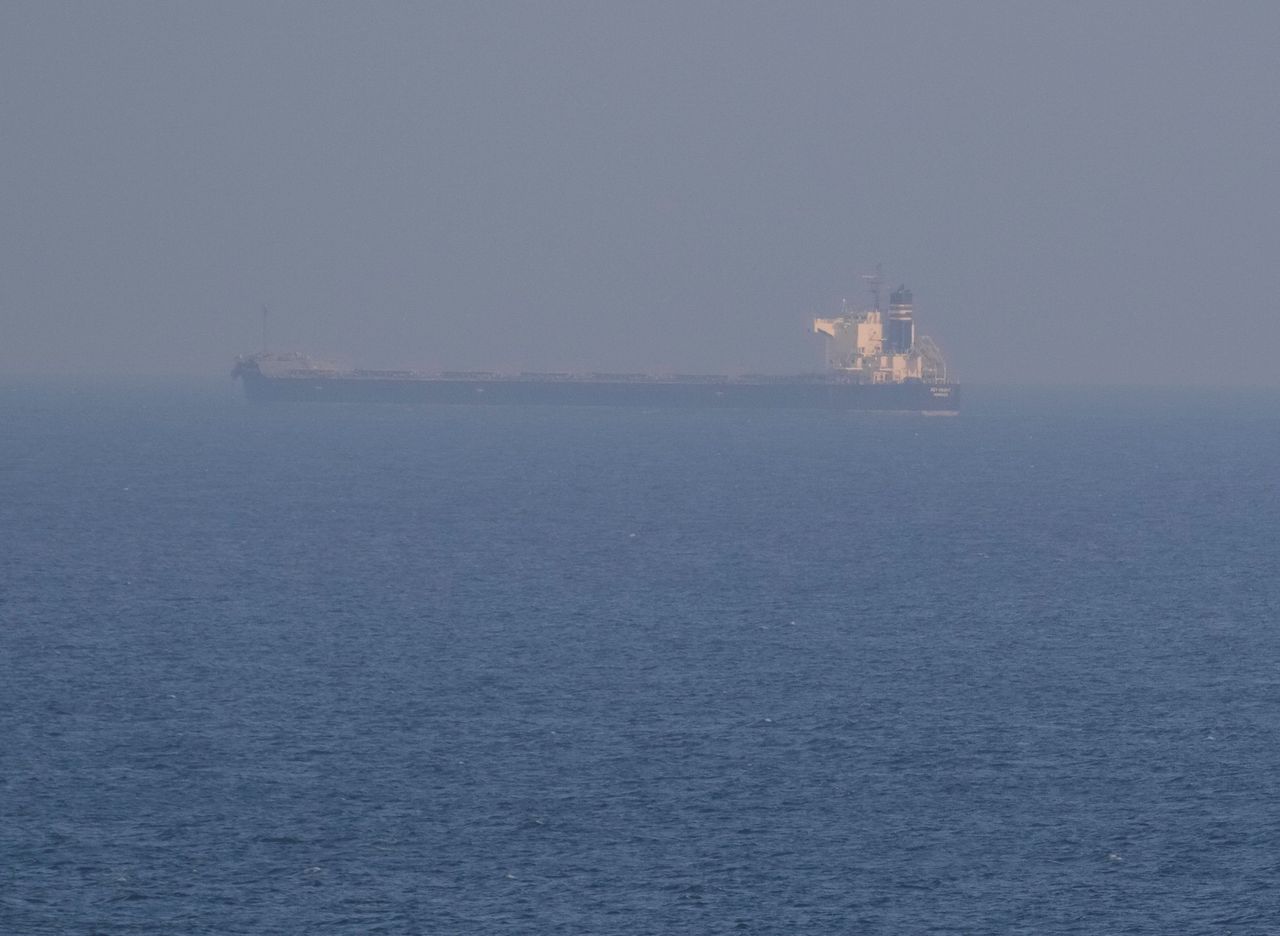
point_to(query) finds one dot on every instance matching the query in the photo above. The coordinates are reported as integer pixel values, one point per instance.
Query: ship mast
(875, 282)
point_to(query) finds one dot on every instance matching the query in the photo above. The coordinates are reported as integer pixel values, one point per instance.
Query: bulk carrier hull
(875, 361)
(800, 392)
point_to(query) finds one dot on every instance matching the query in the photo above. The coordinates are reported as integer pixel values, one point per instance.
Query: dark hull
(798, 393)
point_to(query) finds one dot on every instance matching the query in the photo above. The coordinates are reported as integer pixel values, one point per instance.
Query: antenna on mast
(875, 282)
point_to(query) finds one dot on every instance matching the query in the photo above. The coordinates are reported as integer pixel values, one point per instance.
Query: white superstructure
(871, 346)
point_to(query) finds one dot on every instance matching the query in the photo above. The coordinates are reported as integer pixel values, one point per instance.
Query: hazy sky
(1076, 192)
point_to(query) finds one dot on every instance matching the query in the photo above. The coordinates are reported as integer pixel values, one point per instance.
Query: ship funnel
(902, 328)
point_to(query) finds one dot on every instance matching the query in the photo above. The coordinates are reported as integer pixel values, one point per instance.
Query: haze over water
(1077, 193)
(394, 670)
(483, 670)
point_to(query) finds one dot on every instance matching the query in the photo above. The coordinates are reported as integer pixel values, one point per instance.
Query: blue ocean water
(298, 669)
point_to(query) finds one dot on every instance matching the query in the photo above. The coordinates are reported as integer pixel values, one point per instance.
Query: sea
(326, 669)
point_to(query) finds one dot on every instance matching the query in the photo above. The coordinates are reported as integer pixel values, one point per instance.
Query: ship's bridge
(862, 345)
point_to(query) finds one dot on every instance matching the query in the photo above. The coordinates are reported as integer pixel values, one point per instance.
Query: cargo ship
(874, 361)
